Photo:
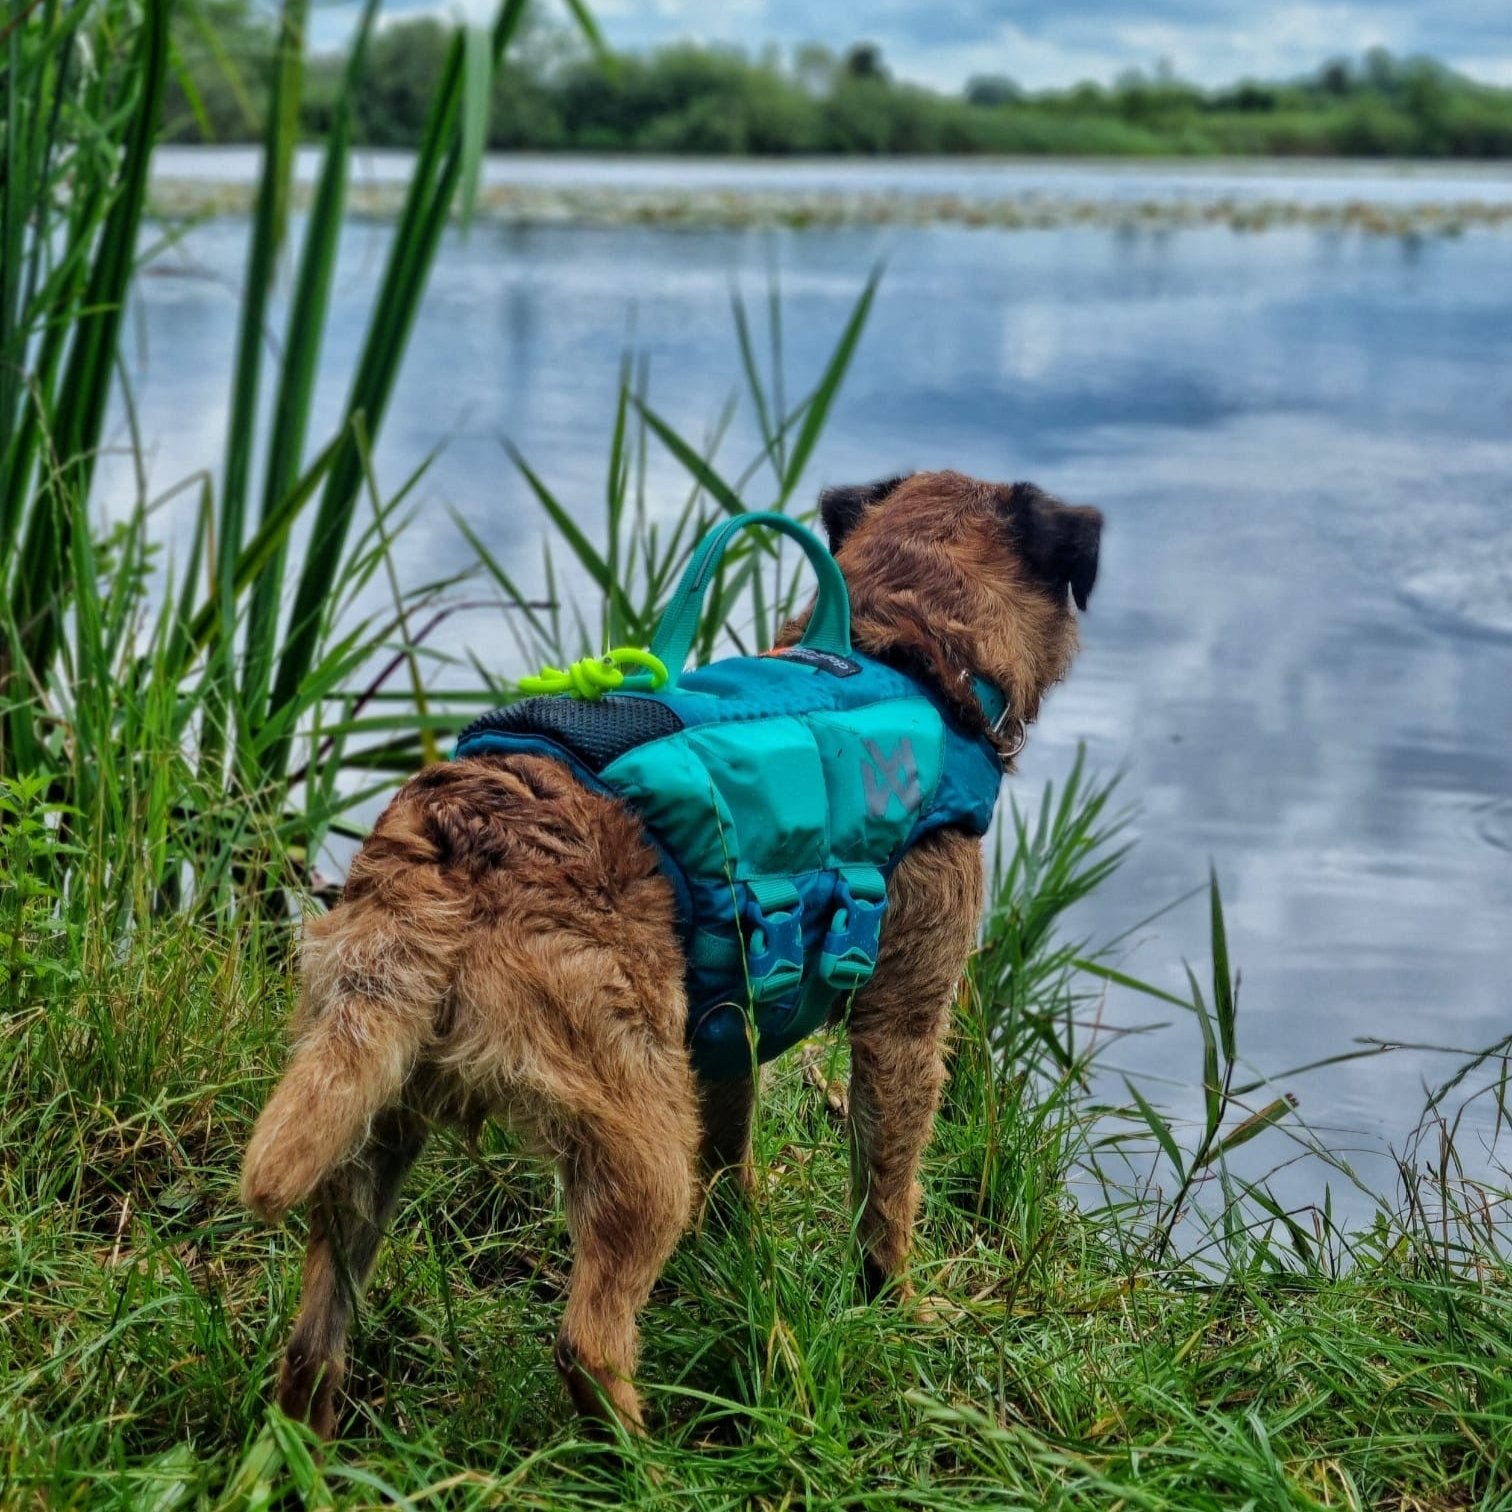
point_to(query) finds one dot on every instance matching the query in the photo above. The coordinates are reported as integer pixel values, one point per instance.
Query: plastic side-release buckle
(849, 955)
(773, 915)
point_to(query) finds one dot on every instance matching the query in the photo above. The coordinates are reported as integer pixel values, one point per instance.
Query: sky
(1043, 43)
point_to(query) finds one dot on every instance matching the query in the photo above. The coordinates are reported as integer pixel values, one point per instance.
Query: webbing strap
(865, 882)
(828, 626)
(773, 893)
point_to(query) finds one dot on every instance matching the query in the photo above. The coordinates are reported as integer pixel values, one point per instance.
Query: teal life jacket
(780, 791)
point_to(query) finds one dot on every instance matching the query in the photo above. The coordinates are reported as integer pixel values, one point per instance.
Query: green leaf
(1159, 1128)
(294, 399)
(583, 549)
(588, 25)
(702, 470)
(1134, 984)
(1302, 1241)
(477, 83)
(1268, 1116)
(757, 389)
(261, 548)
(269, 220)
(818, 408)
(1223, 983)
(1212, 1089)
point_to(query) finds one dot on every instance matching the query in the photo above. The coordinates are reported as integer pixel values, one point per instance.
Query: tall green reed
(212, 710)
(757, 587)
(146, 691)
(78, 139)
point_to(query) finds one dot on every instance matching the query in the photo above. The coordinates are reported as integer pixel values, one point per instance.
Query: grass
(1057, 1354)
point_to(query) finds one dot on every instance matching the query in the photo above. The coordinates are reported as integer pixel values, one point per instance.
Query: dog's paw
(308, 1389)
(936, 1312)
(893, 1286)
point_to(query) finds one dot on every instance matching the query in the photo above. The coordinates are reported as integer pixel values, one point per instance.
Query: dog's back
(485, 883)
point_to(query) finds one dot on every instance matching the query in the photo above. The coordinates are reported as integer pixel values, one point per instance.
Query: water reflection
(1300, 652)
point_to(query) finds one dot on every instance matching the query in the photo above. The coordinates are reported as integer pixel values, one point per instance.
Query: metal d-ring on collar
(1014, 742)
(1004, 725)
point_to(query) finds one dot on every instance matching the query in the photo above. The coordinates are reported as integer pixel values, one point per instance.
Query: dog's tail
(372, 994)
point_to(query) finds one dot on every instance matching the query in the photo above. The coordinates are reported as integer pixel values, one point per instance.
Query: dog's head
(961, 578)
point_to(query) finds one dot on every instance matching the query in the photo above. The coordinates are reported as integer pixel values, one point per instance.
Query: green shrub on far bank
(555, 93)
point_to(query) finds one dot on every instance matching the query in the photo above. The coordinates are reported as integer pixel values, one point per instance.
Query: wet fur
(506, 946)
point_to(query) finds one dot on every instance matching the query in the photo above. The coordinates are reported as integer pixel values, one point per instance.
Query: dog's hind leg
(898, 1028)
(570, 1022)
(628, 1176)
(350, 1210)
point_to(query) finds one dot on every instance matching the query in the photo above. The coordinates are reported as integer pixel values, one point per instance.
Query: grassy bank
(1053, 1356)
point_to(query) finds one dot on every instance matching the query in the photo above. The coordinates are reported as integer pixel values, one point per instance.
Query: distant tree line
(553, 95)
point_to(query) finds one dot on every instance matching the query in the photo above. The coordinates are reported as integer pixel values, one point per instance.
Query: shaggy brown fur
(506, 946)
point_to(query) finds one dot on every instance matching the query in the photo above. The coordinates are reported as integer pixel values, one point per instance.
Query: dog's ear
(1059, 541)
(840, 508)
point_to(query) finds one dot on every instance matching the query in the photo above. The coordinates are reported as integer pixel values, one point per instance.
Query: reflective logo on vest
(888, 777)
(825, 661)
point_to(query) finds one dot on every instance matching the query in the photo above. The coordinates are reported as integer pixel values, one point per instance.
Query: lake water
(1300, 648)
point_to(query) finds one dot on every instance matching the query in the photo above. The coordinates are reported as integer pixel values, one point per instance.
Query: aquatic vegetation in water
(539, 205)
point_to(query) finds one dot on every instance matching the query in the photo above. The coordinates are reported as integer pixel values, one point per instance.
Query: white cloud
(1491, 70)
(1036, 62)
(1275, 43)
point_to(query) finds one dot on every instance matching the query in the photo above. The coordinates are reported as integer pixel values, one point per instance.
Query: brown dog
(507, 946)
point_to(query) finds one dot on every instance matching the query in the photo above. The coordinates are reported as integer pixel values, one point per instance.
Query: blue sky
(1043, 43)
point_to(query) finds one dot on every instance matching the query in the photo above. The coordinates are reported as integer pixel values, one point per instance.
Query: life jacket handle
(828, 627)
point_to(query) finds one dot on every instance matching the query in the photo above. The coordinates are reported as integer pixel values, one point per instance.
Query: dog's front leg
(897, 1034)
(724, 1111)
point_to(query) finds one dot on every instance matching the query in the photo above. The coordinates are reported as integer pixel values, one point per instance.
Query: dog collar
(998, 712)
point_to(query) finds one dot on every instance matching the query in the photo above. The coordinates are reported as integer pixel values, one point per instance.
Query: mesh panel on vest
(596, 732)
